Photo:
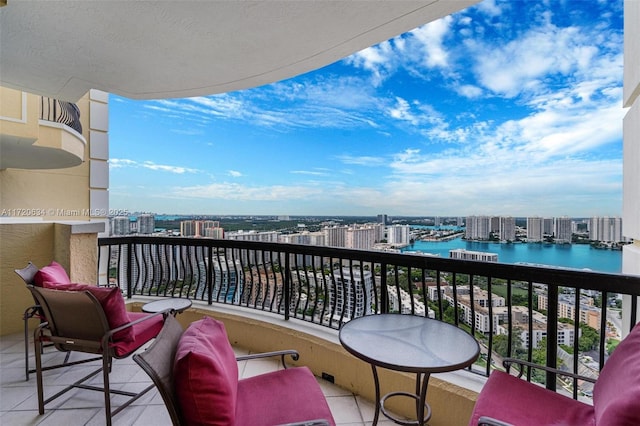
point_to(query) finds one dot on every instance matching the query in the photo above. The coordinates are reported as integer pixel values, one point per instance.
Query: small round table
(410, 344)
(176, 304)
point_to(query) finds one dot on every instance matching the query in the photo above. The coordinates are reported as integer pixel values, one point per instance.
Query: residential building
(535, 229)
(335, 236)
(360, 237)
(473, 255)
(146, 224)
(606, 229)
(562, 230)
(478, 228)
(399, 234)
(353, 293)
(121, 225)
(507, 228)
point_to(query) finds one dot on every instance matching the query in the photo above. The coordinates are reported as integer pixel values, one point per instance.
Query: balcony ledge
(451, 395)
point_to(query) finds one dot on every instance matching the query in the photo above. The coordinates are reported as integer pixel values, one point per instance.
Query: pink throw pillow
(616, 394)
(205, 374)
(112, 303)
(54, 273)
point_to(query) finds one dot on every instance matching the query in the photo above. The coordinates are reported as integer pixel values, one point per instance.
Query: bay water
(576, 256)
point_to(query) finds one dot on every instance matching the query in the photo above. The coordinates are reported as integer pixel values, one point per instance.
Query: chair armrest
(507, 362)
(490, 421)
(293, 353)
(110, 333)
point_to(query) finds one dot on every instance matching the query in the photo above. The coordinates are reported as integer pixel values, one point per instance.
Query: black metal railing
(503, 304)
(62, 112)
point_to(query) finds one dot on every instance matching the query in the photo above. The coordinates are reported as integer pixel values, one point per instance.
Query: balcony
(39, 132)
(283, 295)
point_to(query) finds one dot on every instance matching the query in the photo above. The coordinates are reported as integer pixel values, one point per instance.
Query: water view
(578, 256)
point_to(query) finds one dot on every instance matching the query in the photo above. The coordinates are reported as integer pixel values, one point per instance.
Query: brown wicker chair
(158, 362)
(76, 321)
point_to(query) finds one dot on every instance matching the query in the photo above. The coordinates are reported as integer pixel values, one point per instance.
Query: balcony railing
(504, 304)
(62, 112)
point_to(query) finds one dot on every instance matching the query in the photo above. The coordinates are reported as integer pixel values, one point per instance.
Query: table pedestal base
(423, 410)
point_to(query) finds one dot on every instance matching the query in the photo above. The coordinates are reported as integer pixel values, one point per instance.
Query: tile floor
(19, 404)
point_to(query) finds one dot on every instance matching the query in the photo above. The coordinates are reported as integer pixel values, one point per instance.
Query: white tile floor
(19, 404)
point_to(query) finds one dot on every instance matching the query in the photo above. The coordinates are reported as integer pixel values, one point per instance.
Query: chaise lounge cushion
(616, 394)
(53, 272)
(518, 402)
(281, 397)
(205, 375)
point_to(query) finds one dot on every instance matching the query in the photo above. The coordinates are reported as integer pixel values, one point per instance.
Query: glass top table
(412, 344)
(176, 304)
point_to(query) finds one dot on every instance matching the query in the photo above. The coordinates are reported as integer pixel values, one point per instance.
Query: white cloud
(115, 163)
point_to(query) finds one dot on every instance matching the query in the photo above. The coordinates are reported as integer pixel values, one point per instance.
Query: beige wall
(74, 246)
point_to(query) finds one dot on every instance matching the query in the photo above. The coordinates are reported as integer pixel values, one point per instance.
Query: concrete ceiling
(166, 49)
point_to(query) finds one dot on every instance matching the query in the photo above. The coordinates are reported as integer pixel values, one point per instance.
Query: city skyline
(505, 106)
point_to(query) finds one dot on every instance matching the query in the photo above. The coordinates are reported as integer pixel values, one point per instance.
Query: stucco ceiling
(165, 49)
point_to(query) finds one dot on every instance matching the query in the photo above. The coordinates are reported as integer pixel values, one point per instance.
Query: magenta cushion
(206, 375)
(142, 332)
(54, 273)
(280, 397)
(516, 401)
(616, 394)
(112, 303)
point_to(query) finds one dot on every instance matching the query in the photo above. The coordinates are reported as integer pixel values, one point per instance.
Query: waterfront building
(399, 234)
(535, 229)
(146, 224)
(473, 255)
(606, 229)
(548, 224)
(478, 228)
(507, 228)
(263, 236)
(562, 230)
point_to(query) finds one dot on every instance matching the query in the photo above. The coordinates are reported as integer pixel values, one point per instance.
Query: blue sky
(505, 108)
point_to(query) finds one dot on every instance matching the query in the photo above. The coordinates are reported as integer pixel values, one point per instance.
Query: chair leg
(26, 345)
(106, 369)
(37, 350)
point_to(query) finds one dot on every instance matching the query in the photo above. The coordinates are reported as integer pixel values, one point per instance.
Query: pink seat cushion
(112, 303)
(280, 397)
(142, 333)
(206, 375)
(516, 401)
(53, 272)
(616, 395)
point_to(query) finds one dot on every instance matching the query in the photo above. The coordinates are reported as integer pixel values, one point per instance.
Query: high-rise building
(360, 237)
(146, 224)
(398, 234)
(335, 236)
(383, 219)
(548, 224)
(478, 227)
(352, 294)
(562, 231)
(120, 225)
(606, 229)
(535, 229)
(188, 228)
(507, 227)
